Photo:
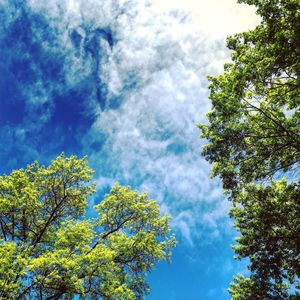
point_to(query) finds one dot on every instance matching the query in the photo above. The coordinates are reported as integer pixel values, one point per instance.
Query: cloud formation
(125, 82)
(151, 142)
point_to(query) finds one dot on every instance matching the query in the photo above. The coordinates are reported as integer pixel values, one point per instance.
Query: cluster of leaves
(254, 143)
(49, 250)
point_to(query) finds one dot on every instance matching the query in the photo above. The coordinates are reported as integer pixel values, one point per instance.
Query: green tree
(253, 139)
(50, 250)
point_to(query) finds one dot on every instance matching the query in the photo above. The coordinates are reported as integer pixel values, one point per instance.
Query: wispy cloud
(126, 80)
(158, 67)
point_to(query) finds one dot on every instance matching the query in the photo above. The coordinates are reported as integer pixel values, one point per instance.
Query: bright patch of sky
(215, 18)
(125, 82)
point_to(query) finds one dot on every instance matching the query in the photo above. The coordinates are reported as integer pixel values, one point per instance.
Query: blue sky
(124, 82)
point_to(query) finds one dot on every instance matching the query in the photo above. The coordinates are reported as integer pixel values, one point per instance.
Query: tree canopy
(49, 249)
(253, 138)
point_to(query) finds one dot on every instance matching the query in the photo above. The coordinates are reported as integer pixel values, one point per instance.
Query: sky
(125, 82)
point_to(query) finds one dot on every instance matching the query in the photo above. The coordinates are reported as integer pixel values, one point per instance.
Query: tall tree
(253, 139)
(50, 250)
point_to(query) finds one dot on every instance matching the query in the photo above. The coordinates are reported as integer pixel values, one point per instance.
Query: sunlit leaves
(50, 251)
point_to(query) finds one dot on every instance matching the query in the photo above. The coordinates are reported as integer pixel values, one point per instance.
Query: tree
(253, 139)
(50, 250)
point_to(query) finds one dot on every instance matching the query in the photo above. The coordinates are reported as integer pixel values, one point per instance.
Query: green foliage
(247, 289)
(268, 219)
(253, 139)
(49, 250)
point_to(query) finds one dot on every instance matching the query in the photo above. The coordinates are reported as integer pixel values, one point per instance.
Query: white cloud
(152, 142)
(216, 18)
(162, 53)
(212, 217)
(184, 221)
